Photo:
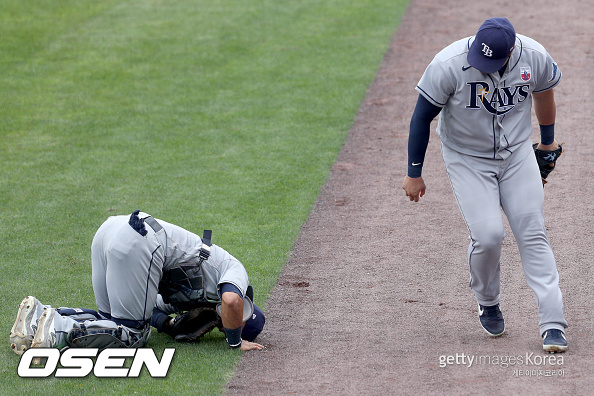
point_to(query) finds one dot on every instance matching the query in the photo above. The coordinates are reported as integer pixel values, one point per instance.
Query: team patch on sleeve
(554, 74)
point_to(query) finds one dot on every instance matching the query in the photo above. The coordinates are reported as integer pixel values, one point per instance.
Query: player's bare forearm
(232, 317)
(231, 310)
(414, 187)
(544, 107)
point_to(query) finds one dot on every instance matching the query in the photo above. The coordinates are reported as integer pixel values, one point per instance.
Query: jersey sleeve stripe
(429, 98)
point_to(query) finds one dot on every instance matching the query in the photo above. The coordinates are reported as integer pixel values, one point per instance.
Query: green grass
(209, 114)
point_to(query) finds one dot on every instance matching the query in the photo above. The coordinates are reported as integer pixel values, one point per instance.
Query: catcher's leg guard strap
(97, 340)
(79, 314)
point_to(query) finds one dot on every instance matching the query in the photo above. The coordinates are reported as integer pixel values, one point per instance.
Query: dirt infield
(375, 294)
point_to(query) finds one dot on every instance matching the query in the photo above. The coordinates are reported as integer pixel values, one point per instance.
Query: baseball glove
(191, 325)
(546, 160)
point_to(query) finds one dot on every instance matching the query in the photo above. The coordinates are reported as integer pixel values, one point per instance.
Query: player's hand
(549, 147)
(414, 188)
(249, 346)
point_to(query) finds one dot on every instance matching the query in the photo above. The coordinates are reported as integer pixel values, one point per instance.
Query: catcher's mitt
(191, 325)
(546, 160)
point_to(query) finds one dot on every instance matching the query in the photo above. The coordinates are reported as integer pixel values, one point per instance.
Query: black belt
(134, 324)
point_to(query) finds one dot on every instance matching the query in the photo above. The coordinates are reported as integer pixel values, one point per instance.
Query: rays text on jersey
(497, 101)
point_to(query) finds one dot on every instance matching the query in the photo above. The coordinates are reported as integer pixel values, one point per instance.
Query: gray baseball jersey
(127, 267)
(465, 94)
(485, 126)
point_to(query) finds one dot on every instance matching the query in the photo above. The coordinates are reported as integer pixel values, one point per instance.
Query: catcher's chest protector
(183, 286)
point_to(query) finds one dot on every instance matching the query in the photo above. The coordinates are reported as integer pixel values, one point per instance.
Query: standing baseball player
(134, 258)
(483, 88)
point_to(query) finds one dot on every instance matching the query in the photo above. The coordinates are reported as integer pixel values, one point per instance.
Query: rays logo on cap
(487, 51)
(525, 73)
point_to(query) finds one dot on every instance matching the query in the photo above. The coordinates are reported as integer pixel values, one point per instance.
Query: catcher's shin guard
(103, 334)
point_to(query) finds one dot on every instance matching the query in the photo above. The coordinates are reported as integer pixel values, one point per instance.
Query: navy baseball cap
(254, 325)
(492, 44)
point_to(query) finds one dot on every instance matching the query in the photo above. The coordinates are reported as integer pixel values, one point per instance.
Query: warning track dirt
(375, 294)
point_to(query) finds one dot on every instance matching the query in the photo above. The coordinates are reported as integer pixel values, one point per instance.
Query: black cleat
(492, 320)
(554, 341)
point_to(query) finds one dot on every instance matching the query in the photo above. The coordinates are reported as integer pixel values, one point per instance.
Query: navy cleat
(554, 341)
(491, 319)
